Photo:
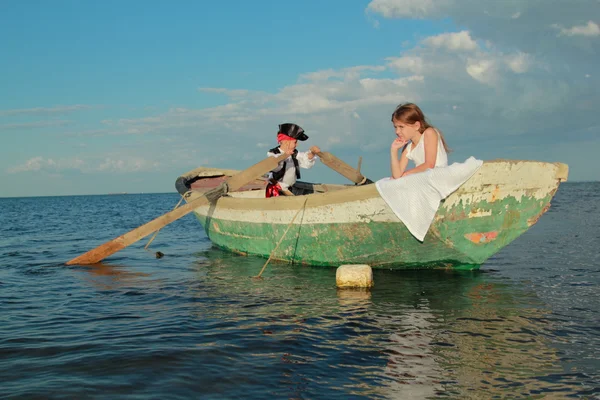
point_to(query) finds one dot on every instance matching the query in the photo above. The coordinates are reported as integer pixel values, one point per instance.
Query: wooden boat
(330, 225)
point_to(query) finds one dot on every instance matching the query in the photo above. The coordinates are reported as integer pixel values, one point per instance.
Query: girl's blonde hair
(410, 113)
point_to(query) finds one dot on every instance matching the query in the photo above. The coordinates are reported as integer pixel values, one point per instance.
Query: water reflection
(498, 346)
(415, 335)
(353, 297)
(111, 276)
(466, 333)
(413, 371)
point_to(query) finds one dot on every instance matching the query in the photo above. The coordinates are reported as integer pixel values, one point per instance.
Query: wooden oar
(232, 184)
(342, 168)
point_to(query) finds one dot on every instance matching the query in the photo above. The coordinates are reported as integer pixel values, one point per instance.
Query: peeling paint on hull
(355, 226)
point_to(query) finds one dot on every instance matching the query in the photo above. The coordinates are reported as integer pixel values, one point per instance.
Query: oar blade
(119, 243)
(342, 168)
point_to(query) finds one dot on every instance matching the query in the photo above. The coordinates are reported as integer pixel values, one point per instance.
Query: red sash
(273, 190)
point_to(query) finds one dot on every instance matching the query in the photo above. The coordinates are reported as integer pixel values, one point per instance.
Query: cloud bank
(515, 75)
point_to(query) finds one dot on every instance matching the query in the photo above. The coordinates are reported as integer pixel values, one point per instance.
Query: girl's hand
(398, 143)
(315, 149)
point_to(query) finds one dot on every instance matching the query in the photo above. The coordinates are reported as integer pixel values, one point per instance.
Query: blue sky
(112, 96)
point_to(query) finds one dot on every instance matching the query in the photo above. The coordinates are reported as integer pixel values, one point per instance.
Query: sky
(125, 96)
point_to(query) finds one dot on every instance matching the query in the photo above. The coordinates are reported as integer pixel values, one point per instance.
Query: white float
(354, 276)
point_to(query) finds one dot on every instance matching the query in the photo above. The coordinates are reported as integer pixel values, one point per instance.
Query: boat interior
(210, 179)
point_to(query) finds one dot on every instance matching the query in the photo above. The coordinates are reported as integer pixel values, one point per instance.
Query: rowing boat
(330, 225)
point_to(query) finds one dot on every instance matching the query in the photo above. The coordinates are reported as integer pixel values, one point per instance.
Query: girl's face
(406, 131)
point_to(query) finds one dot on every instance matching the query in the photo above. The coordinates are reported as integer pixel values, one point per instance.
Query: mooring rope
(281, 240)
(183, 196)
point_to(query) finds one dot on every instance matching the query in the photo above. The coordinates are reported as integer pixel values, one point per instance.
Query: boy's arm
(306, 159)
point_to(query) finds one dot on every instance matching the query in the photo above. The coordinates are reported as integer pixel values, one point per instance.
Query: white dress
(417, 155)
(415, 198)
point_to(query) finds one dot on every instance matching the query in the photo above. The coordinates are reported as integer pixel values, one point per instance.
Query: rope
(186, 194)
(281, 240)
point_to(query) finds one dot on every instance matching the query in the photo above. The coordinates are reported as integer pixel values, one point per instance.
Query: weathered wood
(342, 168)
(232, 184)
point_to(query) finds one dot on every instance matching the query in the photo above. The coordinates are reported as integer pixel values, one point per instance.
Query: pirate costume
(288, 171)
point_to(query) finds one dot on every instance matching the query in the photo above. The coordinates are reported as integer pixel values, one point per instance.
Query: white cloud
(589, 29)
(237, 93)
(454, 41)
(519, 63)
(34, 125)
(527, 26)
(407, 8)
(522, 71)
(483, 71)
(408, 63)
(94, 164)
(44, 110)
(33, 164)
(132, 164)
(48, 165)
(343, 74)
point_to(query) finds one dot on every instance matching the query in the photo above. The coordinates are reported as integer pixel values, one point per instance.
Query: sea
(196, 324)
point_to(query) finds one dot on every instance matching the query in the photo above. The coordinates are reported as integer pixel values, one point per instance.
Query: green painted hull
(381, 244)
(470, 226)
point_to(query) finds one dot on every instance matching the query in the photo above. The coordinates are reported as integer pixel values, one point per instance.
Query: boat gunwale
(345, 194)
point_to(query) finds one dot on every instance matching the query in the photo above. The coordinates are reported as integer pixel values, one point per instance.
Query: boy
(282, 178)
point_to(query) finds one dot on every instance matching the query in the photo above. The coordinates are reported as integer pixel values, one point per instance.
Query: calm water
(193, 324)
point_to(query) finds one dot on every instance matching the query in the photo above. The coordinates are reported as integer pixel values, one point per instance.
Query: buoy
(354, 276)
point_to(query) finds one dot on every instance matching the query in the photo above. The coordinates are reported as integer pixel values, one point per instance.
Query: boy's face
(288, 146)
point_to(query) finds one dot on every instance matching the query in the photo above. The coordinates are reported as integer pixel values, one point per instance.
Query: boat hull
(355, 225)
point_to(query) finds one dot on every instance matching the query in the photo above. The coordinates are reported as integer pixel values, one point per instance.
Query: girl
(427, 147)
(282, 178)
(415, 199)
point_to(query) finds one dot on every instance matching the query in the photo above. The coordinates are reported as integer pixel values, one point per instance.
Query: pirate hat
(293, 131)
